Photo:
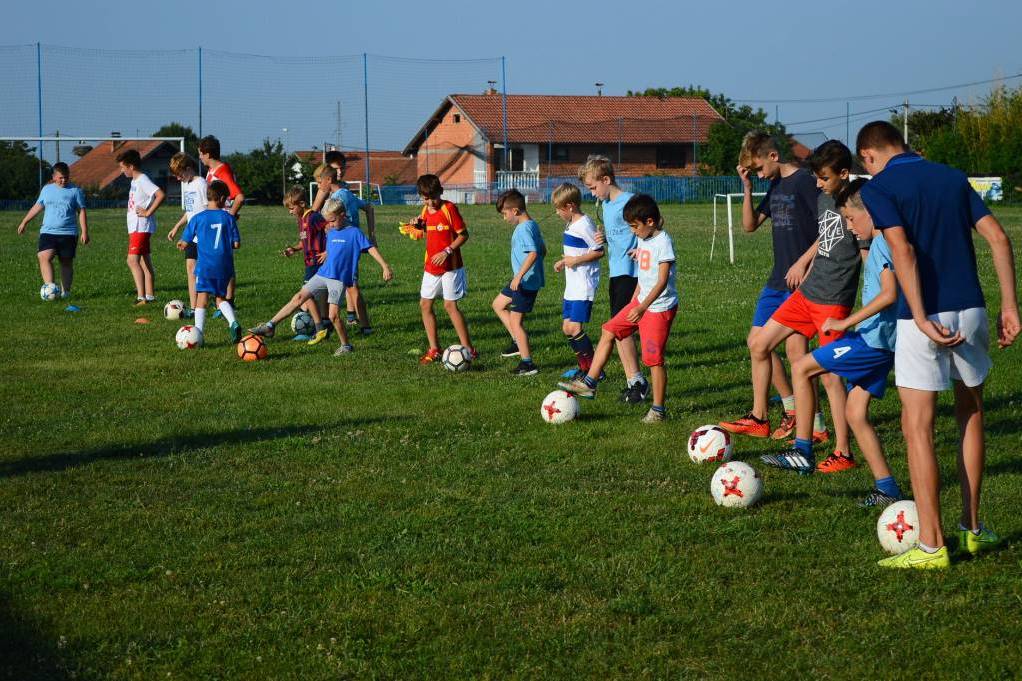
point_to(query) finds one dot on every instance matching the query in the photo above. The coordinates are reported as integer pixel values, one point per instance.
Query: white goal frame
(730, 223)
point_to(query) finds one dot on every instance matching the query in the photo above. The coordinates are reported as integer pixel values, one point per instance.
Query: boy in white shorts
(927, 212)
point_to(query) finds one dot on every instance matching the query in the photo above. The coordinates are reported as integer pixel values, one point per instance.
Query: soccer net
(730, 223)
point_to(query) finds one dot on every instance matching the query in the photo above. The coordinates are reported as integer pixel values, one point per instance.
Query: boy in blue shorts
(311, 242)
(214, 232)
(581, 266)
(927, 213)
(64, 203)
(339, 263)
(519, 296)
(863, 357)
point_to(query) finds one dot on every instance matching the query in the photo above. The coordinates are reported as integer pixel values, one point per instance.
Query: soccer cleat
(140, 302)
(510, 351)
(188, 313)
(302, 337)
(819, 437)
(578, 387)
(919, 559)
(343, 350)
(352, 320)
(525, 369)
(836, 462)
(264, 330)
(64, 295)
(235, 332)
(218, 314)
(319, 337)
(654, 416)
(877, 499)
(977, 543)
(786, 427)
(790, 460)
(747, 425)
(475, 353)
(432, 355)
(634, 394)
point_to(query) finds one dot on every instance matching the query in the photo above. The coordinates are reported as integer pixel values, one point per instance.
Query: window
(560, 152)
(457, 118)
(516, 159)
(672, 155)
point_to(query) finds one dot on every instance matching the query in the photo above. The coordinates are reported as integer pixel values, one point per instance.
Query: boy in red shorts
(143, 200)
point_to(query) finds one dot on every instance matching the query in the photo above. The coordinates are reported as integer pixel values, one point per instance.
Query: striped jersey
(581, 282)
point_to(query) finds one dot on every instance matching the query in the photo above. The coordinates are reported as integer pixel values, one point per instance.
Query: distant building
(98, 170)
(803, 144)
(385, 167)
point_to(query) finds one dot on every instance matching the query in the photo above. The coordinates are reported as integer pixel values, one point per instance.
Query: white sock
(227, 311)
(926, 547)
(788, 402)
(200, 318)
(637, 379)
(818, 424)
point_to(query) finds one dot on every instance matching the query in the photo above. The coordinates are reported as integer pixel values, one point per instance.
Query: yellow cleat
(919, 559)
(320, 336)
(976, 543)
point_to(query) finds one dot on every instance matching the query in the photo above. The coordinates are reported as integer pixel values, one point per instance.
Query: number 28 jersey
(214, 232)
(649, 253)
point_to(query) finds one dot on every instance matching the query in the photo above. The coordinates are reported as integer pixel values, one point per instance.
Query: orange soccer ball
(252, 348)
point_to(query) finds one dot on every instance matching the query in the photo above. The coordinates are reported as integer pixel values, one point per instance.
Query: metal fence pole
(365, 100)
(39, 95)
(200, 92)
(550, 157)
(620, 134)
(503, 104)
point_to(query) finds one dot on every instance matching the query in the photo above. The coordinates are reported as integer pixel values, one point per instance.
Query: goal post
(730, 223)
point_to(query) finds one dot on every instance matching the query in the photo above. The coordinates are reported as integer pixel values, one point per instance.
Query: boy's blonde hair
(757, 144)
(325, 172)
(180, 161)
(597, 167)
(295, 196)
(566, 193)
(334, 209)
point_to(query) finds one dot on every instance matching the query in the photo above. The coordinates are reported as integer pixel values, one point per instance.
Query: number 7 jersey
(214, 232)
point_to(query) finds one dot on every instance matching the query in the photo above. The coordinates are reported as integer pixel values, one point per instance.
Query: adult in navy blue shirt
(927, 212)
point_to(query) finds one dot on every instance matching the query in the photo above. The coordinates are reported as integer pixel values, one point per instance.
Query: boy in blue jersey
(338, 270)
(597, 174)
(64, 204)
(518, 298)
(864, 357)
(214, 232)
(927, 212)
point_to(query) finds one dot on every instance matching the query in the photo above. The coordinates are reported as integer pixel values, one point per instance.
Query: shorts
(920, 364)
(805, 317)
(622, 290)
(653, 328)
(522, 300)
(769, 300)
(452, 284)
(138, 243)
(854, 360)
(310, 271)
(215, 285)
(334, 288)
(64, 245)
(577, 310)
(191, 251)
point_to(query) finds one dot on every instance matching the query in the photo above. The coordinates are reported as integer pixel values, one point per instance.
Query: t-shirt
(524, 240)
(619, 236)
(442, 228)
(880, 330)
(224, 173)
(352, 204)
(649, 253)
(141, 196)
(790, 204)
(835, 272)
(62, 205)
(311, 232)
(581, 281)
(344, 247)
(193, 195)
(938, 209)
(215, 232)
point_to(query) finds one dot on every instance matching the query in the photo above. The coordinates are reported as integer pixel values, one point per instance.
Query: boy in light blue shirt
(518, 298)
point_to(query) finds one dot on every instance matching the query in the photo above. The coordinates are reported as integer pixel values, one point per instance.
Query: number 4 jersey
(215, 232)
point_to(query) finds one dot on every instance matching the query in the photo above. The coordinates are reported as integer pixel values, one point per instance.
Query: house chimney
(114, 144)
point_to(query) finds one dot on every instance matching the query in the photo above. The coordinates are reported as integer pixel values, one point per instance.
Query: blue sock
(526, 360)
(889, 487)
(805, 447)
(591, 382)
(659, 408)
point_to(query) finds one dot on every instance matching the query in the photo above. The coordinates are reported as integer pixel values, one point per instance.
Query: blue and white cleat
(790, 460)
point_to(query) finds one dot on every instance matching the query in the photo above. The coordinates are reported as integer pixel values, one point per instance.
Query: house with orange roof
(97, 170)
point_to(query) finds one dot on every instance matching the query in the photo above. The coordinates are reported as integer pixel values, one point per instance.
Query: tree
(260, 172)
(19, 171)
(180, 130)
(922, 123)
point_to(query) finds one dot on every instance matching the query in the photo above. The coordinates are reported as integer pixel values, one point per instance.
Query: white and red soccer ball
(188, 338)
(709, 443)
(174, 310)
(559, 407)
(898, 527)
(736, 484)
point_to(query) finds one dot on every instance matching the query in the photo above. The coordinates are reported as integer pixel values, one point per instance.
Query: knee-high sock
(227, 311)
(583, 348)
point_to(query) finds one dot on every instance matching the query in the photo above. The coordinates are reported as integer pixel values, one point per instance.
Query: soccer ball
(49, 292)
(736, 484)
(709, 443)
(302, 325)
(898, 527)
(559, 407)
(174, 309)
(188, 338)
(252, 348)
(457, 358)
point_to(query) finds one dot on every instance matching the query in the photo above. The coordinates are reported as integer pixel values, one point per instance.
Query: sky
(753, 52)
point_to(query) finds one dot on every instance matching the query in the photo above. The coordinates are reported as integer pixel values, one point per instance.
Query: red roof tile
(99, 168)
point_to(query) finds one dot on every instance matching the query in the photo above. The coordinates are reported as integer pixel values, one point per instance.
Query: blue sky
(749, 51)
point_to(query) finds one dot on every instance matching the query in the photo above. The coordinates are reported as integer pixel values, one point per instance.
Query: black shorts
(65, 245)
(622, 290)
(192, 251)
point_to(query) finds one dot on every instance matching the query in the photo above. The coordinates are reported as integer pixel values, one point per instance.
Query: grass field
(173, 514)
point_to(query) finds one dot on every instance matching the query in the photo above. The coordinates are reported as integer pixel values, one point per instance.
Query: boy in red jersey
(209, 156)
(444, 274)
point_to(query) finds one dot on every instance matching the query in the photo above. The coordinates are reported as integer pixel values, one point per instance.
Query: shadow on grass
(177, 444)
(24, 652)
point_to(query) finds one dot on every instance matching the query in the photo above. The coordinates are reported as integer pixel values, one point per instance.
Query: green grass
(186, 515)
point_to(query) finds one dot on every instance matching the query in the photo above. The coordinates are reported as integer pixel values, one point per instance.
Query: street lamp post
(283, 167)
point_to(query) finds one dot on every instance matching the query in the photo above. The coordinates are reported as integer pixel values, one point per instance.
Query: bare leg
(658, 377)
(190, 269)
(313, 310)
(802, 373)
(857, 414)
(602, 354)
(136, 273)
(149, 274)
(629, 356)
(458, 321)
(360, 307)
(429, 322)
(778, 375)
(917, 413)
(837, 397)
(971, 450)
(762, 341)
(46, 265)
(296, 302)
(499, 305)
(335, 319)
(517, 321)
(230, 290)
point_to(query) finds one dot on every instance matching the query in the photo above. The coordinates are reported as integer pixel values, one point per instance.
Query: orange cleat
(836, 462)
(747, 425)
(432, 355)
(786, 427)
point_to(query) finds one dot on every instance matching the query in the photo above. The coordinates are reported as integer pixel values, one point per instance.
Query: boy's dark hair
(879, 135)
(295, 196)
(429, 186)
(334, 156)
(512, 198)
(849, 195)
(130, 157)
(218, 191)
(61, 167)
(641, 208)
(831, 154)
(210, 145)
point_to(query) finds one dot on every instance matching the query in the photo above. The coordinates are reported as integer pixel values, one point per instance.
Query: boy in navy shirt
(214, 232)
(927, 212)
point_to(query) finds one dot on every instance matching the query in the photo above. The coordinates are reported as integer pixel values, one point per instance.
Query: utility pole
(905, 121)
(58, 146)
(848, 124)
(338, 131)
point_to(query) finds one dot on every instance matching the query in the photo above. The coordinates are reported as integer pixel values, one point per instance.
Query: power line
(878, 96)
(842, 116)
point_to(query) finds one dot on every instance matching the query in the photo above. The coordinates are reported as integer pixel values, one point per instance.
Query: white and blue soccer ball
(457, 358)
(898, 527)
(302, 324)
(49, 292)
(174, 310)
(736, 484)
(188, 338)
(709, 443)
(559, 407)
